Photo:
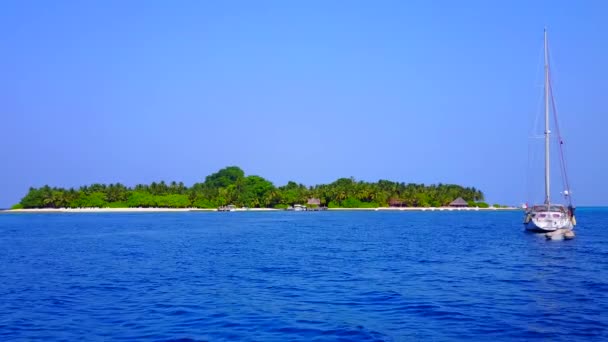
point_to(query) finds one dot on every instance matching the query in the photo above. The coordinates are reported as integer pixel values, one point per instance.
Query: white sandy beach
(125, 210)
(424, 209)
(105, 210)
(160, 210)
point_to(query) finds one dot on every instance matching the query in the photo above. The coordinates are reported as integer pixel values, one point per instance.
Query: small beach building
(314, 201)
(394, 202)
(459, 203)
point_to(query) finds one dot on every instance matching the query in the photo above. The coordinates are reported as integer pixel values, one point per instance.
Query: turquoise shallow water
(278, 276)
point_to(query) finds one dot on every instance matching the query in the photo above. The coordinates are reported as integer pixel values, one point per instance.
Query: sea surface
(300, 276)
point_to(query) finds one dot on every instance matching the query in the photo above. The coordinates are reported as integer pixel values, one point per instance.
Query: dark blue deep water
(286, 276)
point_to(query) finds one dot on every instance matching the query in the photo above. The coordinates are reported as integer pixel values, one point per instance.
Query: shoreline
(181, 210)
(426, 209)
(125, 210)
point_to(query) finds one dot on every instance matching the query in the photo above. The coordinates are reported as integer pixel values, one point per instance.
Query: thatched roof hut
(459, 202)
(394, 202)
(313, 201)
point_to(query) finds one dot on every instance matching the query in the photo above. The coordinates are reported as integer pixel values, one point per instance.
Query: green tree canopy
(224, 177)
(230, 186)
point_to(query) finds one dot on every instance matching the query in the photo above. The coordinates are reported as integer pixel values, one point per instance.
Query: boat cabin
(552, 207)
(550, 211)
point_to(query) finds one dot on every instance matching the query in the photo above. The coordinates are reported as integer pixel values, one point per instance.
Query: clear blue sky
(413, 91)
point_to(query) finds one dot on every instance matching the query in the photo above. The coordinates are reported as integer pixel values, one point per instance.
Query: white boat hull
(548, 221)
(547, 226)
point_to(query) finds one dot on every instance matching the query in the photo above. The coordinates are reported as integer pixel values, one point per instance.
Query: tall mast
(547, 132)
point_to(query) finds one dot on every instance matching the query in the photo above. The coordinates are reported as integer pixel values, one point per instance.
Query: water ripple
(358, 276)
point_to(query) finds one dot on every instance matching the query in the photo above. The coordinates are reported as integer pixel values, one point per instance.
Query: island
(231, 187)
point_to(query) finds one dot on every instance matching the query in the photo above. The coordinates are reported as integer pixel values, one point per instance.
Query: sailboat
(550, 217)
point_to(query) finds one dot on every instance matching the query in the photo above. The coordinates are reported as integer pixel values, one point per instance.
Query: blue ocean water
(308, 276)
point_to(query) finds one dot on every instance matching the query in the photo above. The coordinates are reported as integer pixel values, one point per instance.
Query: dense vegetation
(231, 186)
